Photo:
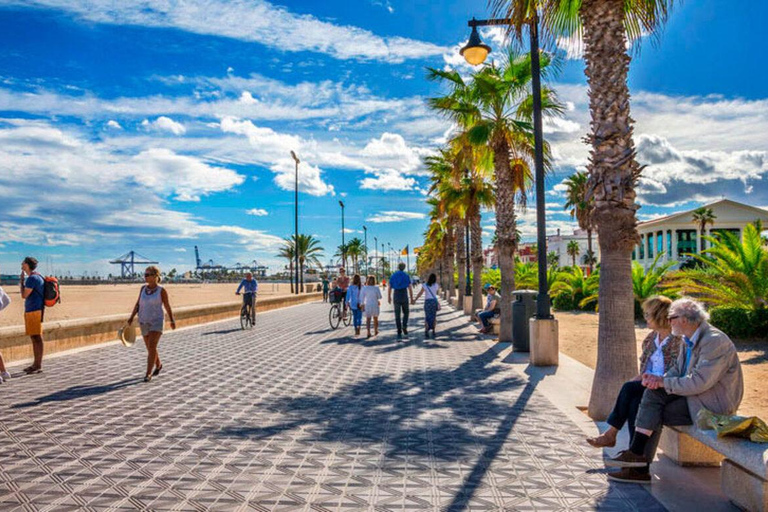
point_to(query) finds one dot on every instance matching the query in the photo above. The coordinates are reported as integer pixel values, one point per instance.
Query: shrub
(564, 302)
(740, 322)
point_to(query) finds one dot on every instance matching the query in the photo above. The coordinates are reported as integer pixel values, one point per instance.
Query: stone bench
(495, 323)
(743, 464)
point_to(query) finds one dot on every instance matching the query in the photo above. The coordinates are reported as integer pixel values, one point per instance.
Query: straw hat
(127, 335)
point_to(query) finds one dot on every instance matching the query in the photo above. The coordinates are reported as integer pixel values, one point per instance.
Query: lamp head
(295, 158)
(341, 204)
(475, 52)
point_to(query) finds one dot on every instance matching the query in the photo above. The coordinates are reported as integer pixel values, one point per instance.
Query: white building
(559, 244)
(677, 234)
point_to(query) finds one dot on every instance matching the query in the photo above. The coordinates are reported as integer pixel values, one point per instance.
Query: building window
(650, 246)
(642, 247)
(686, 241)
(669, 243)
(717, 233)
(659, 242)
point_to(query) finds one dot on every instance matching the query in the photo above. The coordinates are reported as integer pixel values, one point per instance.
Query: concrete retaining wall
(71, 334)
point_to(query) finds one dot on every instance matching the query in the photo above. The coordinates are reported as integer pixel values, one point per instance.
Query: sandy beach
(109, 299)
(578, 339)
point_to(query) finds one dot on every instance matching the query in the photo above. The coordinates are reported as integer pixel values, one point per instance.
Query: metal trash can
(523, 309)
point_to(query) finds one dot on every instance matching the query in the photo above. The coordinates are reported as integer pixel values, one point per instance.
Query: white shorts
(156, 326)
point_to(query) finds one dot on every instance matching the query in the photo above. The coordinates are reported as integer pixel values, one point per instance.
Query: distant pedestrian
(5, 301)
(149, 307)
(326, 288)
(353, 301)
(371, 299)
(400, 282)
(431, 305)
(32, 287)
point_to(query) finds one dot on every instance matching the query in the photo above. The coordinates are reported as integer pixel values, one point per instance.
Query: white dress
(370, 297)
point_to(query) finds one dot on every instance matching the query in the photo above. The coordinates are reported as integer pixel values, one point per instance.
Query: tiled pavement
(294, 416)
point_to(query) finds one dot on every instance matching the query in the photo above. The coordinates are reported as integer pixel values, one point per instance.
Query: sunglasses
(149, 275)
(673, 317)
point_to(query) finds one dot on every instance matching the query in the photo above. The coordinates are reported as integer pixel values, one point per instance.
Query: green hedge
(739, 322)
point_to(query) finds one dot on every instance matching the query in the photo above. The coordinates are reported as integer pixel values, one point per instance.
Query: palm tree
(573, 250)
(733, 272)
(287, 252)
(495, 111)
(589, 259)
(574, 283)
(553, 260)
(606, 27)
(355, 251)
(703, 216)
(309, 251)
(580, 207)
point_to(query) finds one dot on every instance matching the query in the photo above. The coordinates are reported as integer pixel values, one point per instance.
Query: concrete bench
(495, 323)
(743, 464)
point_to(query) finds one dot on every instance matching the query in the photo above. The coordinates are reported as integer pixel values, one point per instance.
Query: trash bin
(523, 309)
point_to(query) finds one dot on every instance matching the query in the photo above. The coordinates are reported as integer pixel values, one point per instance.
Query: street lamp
(475, 52)
(296, 220)
(376, 257)
(365, 231)
(343, 246)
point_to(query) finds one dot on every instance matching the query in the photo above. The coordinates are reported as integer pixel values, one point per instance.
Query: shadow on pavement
(76, 392)
(227, 331)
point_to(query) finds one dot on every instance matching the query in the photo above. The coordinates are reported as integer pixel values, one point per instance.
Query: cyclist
(251, 286)
(342, 282)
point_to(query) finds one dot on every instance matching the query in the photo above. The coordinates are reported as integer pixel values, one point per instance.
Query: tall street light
(376, 258)
(365, 231)
(343, 246)
(296, 221)
(475, 53)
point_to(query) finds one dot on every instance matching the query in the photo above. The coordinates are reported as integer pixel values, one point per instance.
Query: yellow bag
(752, 428)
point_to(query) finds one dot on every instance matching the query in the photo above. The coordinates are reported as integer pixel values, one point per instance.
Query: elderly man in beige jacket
(707, 374)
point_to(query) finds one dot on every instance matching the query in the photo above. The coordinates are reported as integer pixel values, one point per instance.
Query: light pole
(343, 246)
(296, 221)
(475, 52)
(376, 258)
(365, 236)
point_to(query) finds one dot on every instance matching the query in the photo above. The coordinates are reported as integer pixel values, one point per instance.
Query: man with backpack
(32, 287)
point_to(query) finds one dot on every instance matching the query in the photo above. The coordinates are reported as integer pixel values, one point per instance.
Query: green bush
(564, 302)
(740, 322)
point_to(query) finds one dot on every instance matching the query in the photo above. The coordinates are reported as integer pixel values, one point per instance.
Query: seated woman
(659, 353)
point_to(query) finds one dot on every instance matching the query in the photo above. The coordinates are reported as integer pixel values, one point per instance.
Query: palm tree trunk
(461, 261)
(613, 173)
(290, 266)
(506, 225)
(301, 275)
(702, 231)
(476, 233)
(449, 259)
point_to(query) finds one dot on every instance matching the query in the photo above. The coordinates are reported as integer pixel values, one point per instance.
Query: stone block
(744, 488)
(495, 323)
(545, 350)
(685, 450)
(467, 305)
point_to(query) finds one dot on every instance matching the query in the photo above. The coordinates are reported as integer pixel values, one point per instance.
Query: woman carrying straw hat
(149, 307)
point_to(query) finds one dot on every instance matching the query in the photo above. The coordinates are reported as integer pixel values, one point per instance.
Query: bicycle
(339, 312)
(248, 313)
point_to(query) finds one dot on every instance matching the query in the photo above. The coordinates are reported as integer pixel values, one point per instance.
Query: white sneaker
(4, 376)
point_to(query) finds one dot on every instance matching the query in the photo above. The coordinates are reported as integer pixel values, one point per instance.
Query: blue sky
(129, 126)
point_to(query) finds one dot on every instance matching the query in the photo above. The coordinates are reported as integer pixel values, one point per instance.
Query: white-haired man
(707, 374)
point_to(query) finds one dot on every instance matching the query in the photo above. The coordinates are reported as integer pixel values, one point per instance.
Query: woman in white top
(149, 307)
(5, 301)
(371, 300)
(431, 305)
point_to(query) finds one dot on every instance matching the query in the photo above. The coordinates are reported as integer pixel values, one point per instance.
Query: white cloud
(388, 180)
(165, 124)
(180, 249)
(114, 124)
(256, 21)
(258, 212)
(395, 216)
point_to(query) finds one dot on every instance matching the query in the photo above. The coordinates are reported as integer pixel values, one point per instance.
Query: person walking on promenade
(5, 301)
(32, 286)
(707, 374)
(371, 300)
(326, 288)
(400, 282)
(355, 304)
(491, 310)
(149, 307)
(431, 305)
(660, 350)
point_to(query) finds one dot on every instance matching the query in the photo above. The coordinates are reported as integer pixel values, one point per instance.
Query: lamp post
(475, 52)
(296, 221)
(343, 246)
(376, 258)
(365, 236)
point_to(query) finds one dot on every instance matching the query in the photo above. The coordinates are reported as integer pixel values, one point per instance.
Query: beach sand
(108, 299)
(578, 339)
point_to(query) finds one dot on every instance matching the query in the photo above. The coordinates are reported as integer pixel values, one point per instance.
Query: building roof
(686, 215)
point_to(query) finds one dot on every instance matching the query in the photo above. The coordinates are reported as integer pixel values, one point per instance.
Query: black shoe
(147, 378)
(399, 335)
(405, 332)
(630, 476)
(626, 459)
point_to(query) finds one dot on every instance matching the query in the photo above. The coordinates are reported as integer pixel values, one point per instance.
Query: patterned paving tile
(295, 416)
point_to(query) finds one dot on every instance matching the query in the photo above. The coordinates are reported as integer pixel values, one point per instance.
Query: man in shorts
(32, 288)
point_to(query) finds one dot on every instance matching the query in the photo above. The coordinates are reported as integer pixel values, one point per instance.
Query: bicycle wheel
(334, 317)
(347, 317)
(245, 318)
